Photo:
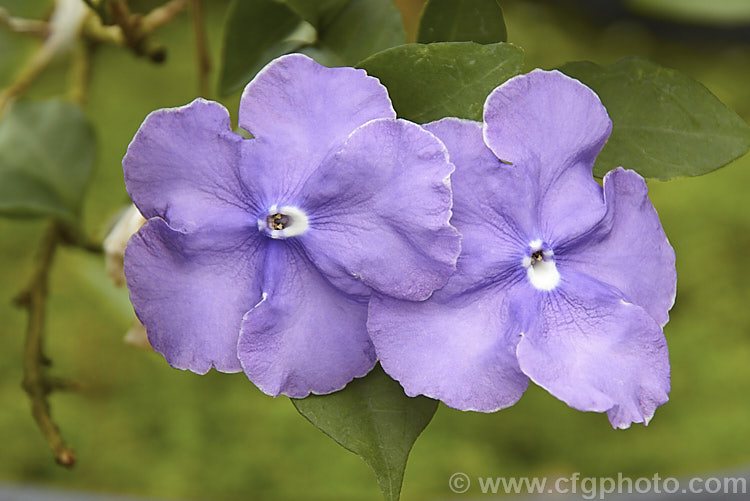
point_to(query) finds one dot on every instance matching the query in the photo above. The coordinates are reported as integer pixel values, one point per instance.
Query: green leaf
(665, 124)
(373, 418)
(362, 28)
(47, 151)
(323, 56)
(428, 82)
(316, 12)
(479, 21)
(334, 32)
(255, 32)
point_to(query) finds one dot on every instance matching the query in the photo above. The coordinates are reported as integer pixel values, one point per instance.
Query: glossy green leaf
(428, 82)
(373, 418)
(323, 56)
(47, 151)
(316, 12)
(352, 29)
(334, 32)
(665, 124)
(255, 31)
(478, 21)
(362, 28)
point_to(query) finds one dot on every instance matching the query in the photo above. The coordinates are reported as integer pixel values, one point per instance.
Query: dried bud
(114, 245)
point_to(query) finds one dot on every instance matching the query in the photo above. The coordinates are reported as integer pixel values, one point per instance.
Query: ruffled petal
(551, 127)
(305, 336)
(628, 248)
(183, 166)
(460, 350)
(190, 291)
(492, 207)
(379, 211)
(596, 352)
(306, 111)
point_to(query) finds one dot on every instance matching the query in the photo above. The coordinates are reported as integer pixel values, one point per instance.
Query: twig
(132, 30)
(80, 80)
(135, 30)
(201, 49)
(80, 72)
(162, 15)
(64, 24)
(36, 383)
(20, 25)
(28, 76)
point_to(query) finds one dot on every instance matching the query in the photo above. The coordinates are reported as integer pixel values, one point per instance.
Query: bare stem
(162, 15)
(80, 72)
(136, 30)
(36, 382)
(28, 76)
(201, 49)
(21, 25)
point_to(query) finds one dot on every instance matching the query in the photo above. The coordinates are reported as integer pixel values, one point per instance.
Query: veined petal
(628, 248)
(379, 211)
(190, 291)
(305, 336)
(183, 166)
(551, 127)
(493, 207)
(548, 116)
(596, 352)
(306, 111)
(458, 349)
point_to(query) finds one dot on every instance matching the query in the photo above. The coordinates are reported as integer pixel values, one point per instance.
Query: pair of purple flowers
(467, 257)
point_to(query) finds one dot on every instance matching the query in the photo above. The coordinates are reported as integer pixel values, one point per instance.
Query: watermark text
(596, 487)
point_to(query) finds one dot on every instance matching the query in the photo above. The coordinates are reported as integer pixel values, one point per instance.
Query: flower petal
(183, 166)
(307, 111)
(458, 349)
(305, 335)
(628, 248)
(491, 206)
(596, 352)
(552, 127)
(379, 211)
(190, 291)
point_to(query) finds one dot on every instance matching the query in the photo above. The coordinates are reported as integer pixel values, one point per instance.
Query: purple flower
(559, 281)
(259, 254)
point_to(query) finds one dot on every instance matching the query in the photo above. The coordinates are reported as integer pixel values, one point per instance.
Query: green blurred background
(142, 428)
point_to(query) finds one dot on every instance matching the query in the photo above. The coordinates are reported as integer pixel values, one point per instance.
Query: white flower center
(540, 267)
(283, 222)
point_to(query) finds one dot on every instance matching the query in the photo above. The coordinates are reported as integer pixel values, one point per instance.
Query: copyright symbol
(459, 482)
